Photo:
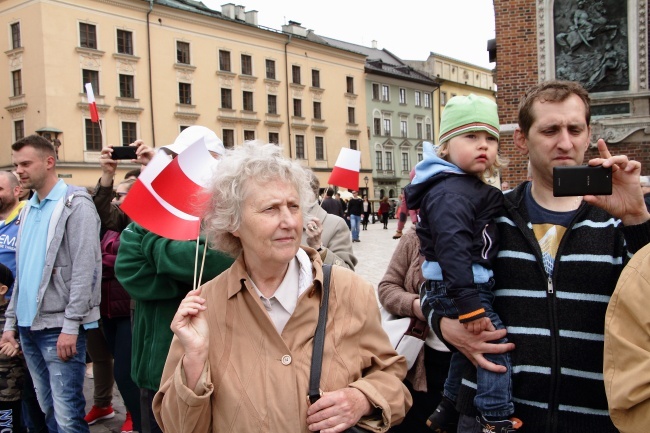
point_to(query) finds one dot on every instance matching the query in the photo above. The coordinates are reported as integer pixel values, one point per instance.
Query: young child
(458, 238)
(12, 368)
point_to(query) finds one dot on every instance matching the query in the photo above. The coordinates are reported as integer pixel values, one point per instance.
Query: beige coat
(256, 380)
(627, 347)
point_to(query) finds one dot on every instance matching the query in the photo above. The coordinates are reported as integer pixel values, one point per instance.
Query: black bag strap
(319, 339)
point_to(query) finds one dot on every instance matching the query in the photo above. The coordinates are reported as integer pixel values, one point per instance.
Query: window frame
(387, 127)
(418, 98)
(88, 36)
(16, 40)
(126, 80)
(183, 55)
(272, 104)
(351, 116)
(376, 92)
(376, 125)
(389, 160)
(225, 65)
(184, 91)
(379, 159)
(19, 125)
(295, 74)
(319, 147)
(228, 137)
(226, 98)
(274, 137)
(402, 96)
(385, 92)
(406, 164)
(246, 64)
(249, 134)
(403, 128)
(427, 100)
(270, 69)
(90, 76)
(297, 107)
(315, 78)
(124, 43)
(94, 132)
(300, 147)
(128, 137)
(247, 101)
(349, 85)
(17, 82)
(318, 113)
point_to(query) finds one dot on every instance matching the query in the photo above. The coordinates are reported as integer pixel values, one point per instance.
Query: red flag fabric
(346, 170)
(92, 105)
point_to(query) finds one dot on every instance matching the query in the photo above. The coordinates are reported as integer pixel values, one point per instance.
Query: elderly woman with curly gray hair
(241, 355)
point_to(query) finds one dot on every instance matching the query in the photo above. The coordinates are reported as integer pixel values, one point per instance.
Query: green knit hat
(468, 113)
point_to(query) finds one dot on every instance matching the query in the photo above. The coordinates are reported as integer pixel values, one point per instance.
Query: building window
(379, 160)
(320, 148)
(403, 128)
(353, 144)
(418, 99)
(297, 108)
(93, 136)
(182, 128)
(124, 42)
(126, 87)
(385, 93)
(428, 127)
(376, 122)
(224, 61)
(427, 100)
(317, 112)
(272, 104)
(389, 161)
(274, 137)
(387, 127)
(19, 129)
(246, 64)
(15, 38)
(375, 91)
(402, 96)
(443, 98)
(87, 36)
(300, 147)
(351, 115)
(183, 52)
(315, 78)
(270, 69)
(249, 135)
(418, 130)
(228, 138)
(295, 74)
(405, 162)
(91, 77)
(185, 93)
(226, 98)
(420, 157)
(17, 80)
(129, 133)
(349, 84)
(248, 101)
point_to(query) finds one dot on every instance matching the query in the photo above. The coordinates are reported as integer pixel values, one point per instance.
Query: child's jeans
(494, 390)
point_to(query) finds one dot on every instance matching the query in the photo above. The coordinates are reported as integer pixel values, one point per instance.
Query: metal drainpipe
(286, 73)
(153, 129)
(433, 115)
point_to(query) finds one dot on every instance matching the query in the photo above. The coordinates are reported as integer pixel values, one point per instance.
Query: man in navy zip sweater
(558, 264)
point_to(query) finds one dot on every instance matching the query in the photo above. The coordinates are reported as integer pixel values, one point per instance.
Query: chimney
(251, 17)
(240, 13)
(374, 44)
(228, 10)
(295, 28)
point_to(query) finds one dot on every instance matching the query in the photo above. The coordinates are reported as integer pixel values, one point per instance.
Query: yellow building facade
(158, 67)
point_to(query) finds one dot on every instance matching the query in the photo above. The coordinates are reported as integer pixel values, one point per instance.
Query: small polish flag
(166, 197)
(92, 106)
(346, 170)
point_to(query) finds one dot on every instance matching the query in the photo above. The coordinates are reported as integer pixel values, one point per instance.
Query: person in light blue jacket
(57, 290)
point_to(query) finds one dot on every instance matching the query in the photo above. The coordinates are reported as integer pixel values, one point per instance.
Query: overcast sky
(409, 29)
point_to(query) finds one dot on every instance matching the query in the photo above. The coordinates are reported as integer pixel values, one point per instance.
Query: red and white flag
(92, 105)
(166, 196)
(346, 170)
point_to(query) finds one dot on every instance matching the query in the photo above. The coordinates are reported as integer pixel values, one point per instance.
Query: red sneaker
(98, 414)
(127, 427)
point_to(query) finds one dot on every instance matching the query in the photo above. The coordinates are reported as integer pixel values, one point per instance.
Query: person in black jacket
(332, 205)
(457, 234)
(558, 264)
(355, 209)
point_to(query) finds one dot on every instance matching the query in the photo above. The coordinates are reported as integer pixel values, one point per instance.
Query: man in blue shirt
(57, 289)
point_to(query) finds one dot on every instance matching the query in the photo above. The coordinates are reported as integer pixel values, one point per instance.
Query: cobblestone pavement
(373, 252)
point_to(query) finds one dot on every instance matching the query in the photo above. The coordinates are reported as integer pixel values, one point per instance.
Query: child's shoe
(445, 418)
(501, 426)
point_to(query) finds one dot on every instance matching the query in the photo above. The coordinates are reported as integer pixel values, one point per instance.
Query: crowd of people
(536, 305)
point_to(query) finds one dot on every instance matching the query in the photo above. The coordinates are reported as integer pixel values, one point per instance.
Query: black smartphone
(582, 180)
(124, 152)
